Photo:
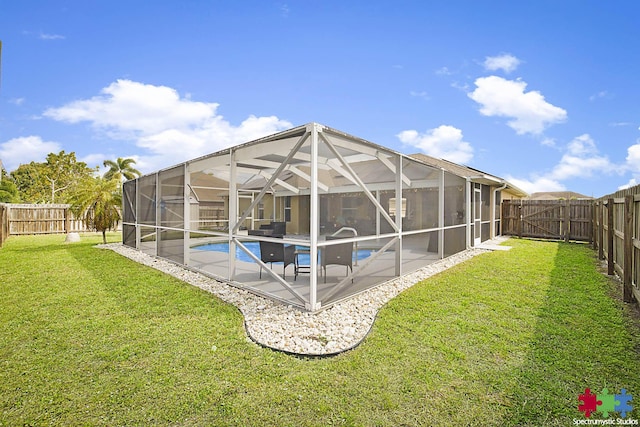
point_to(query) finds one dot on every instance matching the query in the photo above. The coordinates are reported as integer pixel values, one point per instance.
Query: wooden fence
(617, 237)
(4, 224)
(18, 219)
(548, 219)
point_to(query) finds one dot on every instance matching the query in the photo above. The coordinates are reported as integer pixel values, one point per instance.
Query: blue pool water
(254, 247)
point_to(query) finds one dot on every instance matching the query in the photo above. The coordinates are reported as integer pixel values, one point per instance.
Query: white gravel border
(271, 324)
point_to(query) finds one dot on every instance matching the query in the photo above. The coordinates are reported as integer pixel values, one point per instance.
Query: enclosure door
(477, 215)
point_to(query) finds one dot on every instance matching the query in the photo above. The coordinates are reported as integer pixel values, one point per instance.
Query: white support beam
(393, 168)
(292, 188)
(137, 213)
(314, 221)
(186, 247)
(338, 168)
(361, 184)
(268, 176)
(469, 211)
(158, 212)
(261, 164)
(398, 167)
(283, 146)
(272, 180)
(233, 214)
(441, 215)
(342, 141)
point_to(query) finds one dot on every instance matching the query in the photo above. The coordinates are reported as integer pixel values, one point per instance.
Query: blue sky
(543, 93)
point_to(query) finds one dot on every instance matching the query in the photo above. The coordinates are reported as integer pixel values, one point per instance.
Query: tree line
(61, 178)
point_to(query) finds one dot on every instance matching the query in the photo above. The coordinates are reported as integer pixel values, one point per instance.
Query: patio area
(312, 193)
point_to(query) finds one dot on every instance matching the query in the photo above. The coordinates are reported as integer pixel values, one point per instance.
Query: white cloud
(131, 106)
(548, 142)
(464, 87)
(17, 151)
(580, 160)
(536, 183)
(95, 159)
(171, 128)
(443, 142)
(632, 165)
(284, 10)
(601, 94)
(581, 167)
(420, 94)
(529, 112)
(633, 156)
(632, 183)
(45, 36)
(582, 145)
(505, 62)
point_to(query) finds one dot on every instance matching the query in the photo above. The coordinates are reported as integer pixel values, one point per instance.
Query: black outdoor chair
(338, 254)
(271, 252)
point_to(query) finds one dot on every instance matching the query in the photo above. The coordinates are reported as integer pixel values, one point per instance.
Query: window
(287, 208)
(392, 207)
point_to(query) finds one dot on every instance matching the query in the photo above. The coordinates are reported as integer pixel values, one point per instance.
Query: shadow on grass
(142, 291)
(582, 339)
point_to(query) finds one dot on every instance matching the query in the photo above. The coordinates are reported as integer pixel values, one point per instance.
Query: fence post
(600, 230)
(67, 221)
(567, 220)
(592, 229)
(520, 222)
(610, 236)
(627, 271)
(2, 226)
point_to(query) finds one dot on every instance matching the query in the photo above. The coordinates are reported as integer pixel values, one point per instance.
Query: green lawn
(508, 338)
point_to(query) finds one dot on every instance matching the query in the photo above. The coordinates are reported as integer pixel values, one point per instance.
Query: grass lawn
(88, 337)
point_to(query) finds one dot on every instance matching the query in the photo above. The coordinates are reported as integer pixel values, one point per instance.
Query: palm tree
(97, 201)
(121, 169)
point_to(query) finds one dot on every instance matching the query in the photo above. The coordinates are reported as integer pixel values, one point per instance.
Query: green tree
(8, 188)
(51, 181)
(31, 187)
(121, 169)
(97, 201)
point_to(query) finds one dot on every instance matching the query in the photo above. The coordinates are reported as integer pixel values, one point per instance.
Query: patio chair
(271, 252)
(338, 254)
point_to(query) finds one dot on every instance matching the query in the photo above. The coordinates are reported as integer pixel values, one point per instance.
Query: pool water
(254, 247)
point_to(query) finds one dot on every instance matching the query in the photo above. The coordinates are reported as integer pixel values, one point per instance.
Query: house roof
(472, 174)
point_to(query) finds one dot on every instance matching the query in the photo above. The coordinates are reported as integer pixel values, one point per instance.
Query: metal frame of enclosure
(314, 184)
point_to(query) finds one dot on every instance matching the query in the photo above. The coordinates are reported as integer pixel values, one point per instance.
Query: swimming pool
(254, 247)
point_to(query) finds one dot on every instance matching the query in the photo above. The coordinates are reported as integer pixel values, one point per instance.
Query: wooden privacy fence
(548, 219)
(617, 237)
(20, 219)
(4, 224)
